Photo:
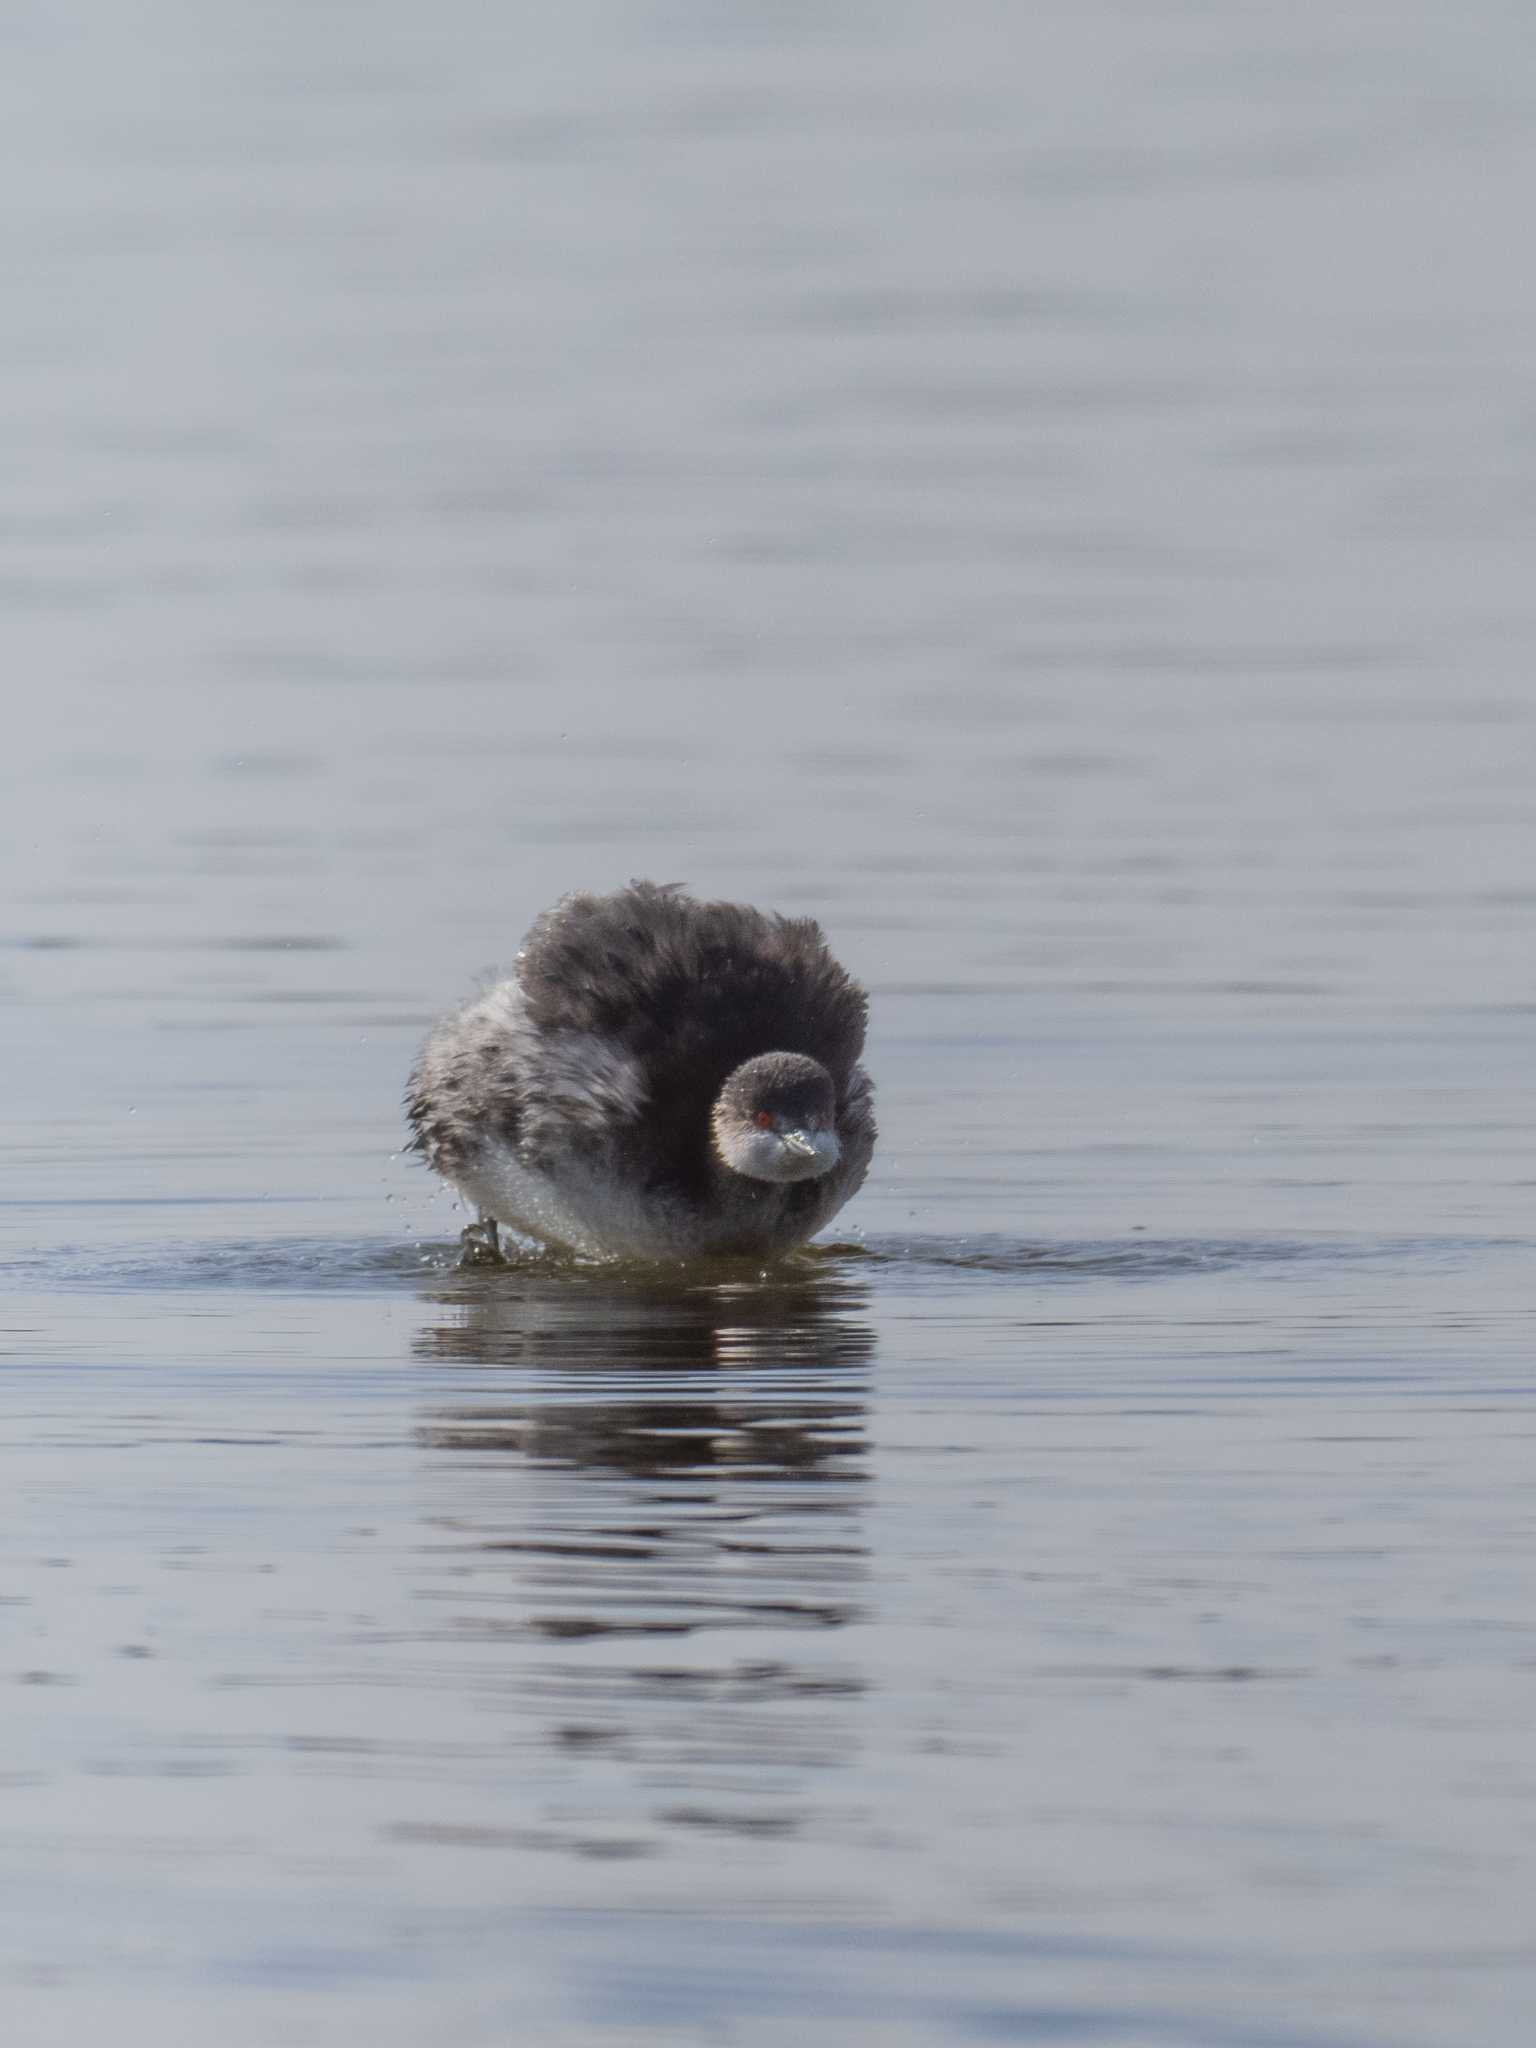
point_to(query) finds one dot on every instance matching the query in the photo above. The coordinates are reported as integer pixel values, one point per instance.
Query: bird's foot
(480, 1244)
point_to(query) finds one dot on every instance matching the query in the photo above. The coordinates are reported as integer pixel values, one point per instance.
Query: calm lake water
(1051, 492)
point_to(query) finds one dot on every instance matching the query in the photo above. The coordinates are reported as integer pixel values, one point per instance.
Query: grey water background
(1049, 491)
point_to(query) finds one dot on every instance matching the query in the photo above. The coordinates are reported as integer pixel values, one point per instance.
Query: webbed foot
(480, 1244)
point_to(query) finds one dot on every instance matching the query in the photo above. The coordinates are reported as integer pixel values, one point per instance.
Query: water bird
(658, 1078)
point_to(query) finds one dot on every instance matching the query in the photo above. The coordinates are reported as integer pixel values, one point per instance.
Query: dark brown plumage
(598, 1068)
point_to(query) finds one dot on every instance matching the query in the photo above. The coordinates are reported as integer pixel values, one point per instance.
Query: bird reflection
(647, 1494)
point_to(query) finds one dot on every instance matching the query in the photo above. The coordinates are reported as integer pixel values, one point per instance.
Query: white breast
(575, 1210)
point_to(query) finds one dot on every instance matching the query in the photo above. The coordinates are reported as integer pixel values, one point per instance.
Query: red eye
(763, 1120)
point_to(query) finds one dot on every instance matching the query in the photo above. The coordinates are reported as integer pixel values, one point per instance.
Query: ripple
(329, 1265)
(1139, 1257)
(297, 1264)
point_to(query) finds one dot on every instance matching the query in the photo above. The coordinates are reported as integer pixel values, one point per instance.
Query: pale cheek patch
(761, 1155)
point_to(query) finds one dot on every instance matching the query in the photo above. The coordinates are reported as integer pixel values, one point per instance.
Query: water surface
(1050, 494)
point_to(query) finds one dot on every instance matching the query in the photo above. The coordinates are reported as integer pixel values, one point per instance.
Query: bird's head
(774, 1119)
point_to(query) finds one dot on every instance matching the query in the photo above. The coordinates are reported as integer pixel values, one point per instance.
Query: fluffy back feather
(688, 991)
